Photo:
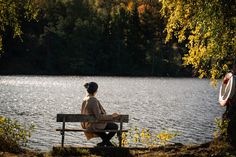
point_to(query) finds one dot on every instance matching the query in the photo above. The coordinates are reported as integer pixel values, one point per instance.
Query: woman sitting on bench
(91, 106)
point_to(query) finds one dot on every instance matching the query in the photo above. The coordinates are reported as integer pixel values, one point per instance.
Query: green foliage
(13, 135)
(209, 28)
(11, 15)
(221, 128)
(144, 137)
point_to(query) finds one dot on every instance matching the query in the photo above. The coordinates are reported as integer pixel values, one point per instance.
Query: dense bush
(13, 135)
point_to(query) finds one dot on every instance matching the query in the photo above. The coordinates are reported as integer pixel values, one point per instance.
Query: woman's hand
(114, 115)
(227, 77)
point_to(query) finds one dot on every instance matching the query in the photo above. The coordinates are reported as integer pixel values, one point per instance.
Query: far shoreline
(111, 76)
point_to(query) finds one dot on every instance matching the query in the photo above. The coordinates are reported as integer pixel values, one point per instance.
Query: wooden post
(63, 132)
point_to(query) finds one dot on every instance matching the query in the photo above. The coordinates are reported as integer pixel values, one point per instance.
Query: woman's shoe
(101, 144)
(109, 144)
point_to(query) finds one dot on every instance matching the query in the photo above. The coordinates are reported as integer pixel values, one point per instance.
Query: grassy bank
(174, 150)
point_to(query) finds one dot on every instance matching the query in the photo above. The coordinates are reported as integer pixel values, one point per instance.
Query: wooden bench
(89, 118)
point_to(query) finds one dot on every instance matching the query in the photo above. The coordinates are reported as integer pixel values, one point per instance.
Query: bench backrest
(87, 118)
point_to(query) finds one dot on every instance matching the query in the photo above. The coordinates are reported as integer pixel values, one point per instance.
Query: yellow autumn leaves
(144, 137)
(2, 119)
(208, 31)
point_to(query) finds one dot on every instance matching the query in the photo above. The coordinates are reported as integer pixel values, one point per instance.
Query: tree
(209, 28)
(71, 37)
(92, 37)
(12, 12)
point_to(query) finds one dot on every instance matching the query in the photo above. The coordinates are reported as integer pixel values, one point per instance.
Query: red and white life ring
(227, 89)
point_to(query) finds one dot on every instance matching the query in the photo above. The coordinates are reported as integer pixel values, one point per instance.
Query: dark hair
(91, 87)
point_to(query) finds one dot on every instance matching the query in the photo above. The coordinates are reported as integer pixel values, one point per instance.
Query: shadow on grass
(86, 151)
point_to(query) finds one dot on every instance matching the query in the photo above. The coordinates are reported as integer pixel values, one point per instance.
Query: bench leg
(62, 138)
(120, 134)
(63, 133)
(120, 138)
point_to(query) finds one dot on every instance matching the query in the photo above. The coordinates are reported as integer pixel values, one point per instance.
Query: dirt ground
(212, 149)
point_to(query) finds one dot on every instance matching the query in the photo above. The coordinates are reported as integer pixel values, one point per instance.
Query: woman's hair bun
(86, 85)
(91, 87)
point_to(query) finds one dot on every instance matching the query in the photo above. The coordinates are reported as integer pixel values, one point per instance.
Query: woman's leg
(107, 137)
(111, 126)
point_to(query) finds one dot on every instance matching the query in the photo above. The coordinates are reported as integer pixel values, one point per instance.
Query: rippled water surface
(185, 105)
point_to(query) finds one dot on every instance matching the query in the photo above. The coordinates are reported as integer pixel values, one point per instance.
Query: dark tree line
(94, 37)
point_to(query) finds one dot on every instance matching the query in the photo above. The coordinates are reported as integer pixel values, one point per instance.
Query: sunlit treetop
(128, 5)
(209, 27)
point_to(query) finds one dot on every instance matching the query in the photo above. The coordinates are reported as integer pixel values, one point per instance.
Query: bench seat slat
(83, 130)
(88, 118)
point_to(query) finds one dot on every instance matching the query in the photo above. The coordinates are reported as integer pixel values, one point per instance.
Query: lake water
(186, 105)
